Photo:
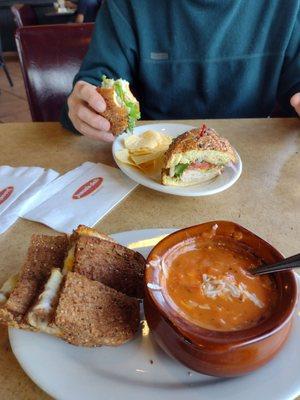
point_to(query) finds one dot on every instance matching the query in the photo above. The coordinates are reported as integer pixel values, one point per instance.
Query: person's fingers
(83, 102)
(295, 102)
(91, 132)
(87, 92)
(91, 118)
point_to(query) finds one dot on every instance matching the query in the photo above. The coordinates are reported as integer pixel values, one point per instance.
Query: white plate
(72, 373)
(222, 182)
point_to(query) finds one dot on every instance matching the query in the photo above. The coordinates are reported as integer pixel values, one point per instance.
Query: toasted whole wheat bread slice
(92, 314)
(44, 253)
(110, 263)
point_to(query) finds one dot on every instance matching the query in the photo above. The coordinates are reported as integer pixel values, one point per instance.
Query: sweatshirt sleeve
(112, 50)
(290, 74)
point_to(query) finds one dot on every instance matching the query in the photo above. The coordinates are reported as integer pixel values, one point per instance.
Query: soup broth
(210, 284)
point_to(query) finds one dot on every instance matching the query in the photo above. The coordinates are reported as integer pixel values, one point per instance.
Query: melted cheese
(69, 261)
(46, 298)
(43, 325)
(45, 304)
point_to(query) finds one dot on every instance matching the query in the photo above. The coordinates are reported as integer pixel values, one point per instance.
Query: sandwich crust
(83, 230)
(110, 263)
(191, 140)
(9, 319)
(92, 314)
(44, 253)
(115, 114)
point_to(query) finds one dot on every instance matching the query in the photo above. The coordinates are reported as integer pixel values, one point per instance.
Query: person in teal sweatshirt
(191, 59)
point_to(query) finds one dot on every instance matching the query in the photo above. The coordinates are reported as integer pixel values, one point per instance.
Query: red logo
(87, 188)
(5, 193)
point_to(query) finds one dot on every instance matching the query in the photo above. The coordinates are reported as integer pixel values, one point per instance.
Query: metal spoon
(287, 263)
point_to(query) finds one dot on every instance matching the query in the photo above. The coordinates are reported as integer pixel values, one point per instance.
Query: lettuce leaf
(119, 91)
(179, 170)
(132, 108)
(133, 114)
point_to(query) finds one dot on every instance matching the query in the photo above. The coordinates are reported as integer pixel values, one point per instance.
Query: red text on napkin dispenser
(87, 188)
(5, 193)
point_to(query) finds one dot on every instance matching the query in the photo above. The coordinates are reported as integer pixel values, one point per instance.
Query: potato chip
(147, 166)
(165, 140)
(131, 141)
(153, 135)
(145, 152)
(152, 168)
(140, 159)
(140, 151)
(124, 157)
(147, 142)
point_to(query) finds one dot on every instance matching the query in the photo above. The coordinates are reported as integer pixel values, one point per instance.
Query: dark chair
(50, 56)
(2, 65)
(24, 15)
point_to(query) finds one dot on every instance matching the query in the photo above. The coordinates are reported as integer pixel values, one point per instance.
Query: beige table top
(266, 199)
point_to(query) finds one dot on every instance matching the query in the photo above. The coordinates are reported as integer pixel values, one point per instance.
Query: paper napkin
(14, 182)
(24, 201)
(82, 196)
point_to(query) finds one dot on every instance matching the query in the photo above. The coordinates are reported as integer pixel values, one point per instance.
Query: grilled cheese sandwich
(44, 296)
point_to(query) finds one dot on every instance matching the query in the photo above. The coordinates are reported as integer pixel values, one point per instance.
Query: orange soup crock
(214, 352)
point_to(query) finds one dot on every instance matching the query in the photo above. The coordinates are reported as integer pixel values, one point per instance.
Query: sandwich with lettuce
(122, 108)
(196, 156)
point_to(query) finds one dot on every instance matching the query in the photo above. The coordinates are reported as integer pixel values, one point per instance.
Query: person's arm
(112, 52)
(289, 85)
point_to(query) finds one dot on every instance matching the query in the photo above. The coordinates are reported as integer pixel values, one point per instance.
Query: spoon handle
(287, 263)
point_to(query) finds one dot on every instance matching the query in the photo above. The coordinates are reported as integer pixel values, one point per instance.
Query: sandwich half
(108, 262)
(77, 306)
(95, 305)
(122, 108)
(20, 291)
(196, 156)
(92, 314)
(84, 312)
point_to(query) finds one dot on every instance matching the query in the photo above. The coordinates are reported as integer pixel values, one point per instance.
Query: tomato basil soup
(210, 284)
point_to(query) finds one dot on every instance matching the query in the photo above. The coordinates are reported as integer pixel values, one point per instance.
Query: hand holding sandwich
(295, 102)
(105, 111)
(85, 105)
